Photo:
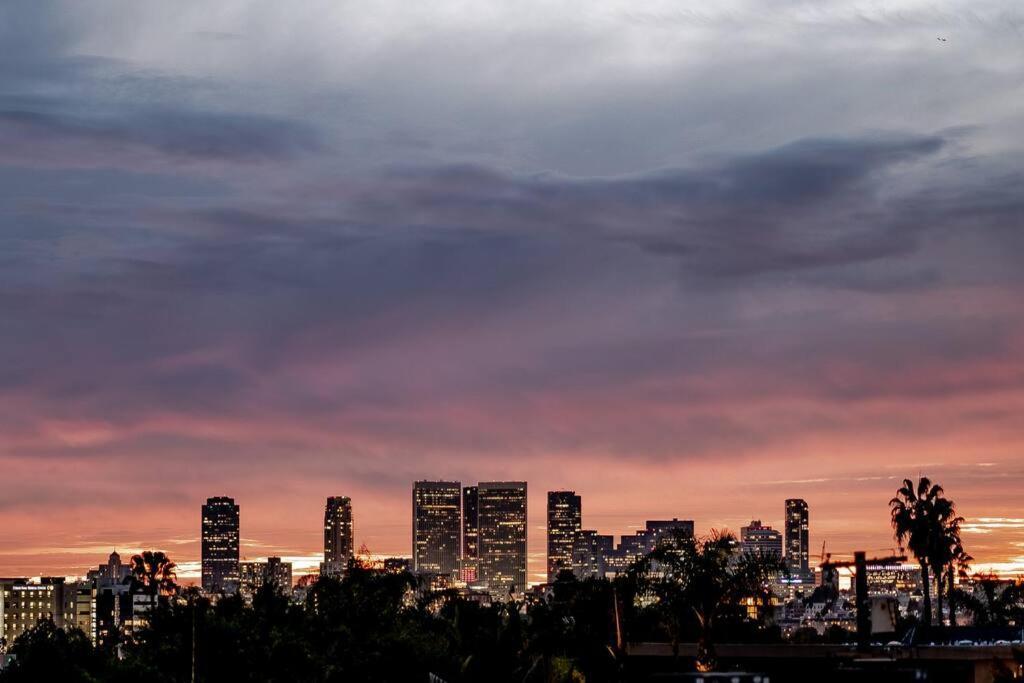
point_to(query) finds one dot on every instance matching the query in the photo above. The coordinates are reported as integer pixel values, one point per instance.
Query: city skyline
(306, 563)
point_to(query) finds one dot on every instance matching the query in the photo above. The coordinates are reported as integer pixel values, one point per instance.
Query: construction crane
(860, 564)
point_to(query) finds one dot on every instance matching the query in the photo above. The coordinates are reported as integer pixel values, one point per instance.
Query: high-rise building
(565, 511)
(80, 607)
(797, 537)
(23, 604)
(436, 526)
(220, 545)
(470, 534)
(502, 510)
(256, 575)
(590, 554)
(760, 539)
(338, 535)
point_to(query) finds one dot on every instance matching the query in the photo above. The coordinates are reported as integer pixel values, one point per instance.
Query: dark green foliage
(383, 627)
(706, 589)
(993, 602)
(48, 653)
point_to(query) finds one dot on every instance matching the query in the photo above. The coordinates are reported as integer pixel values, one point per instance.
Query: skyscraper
(338, 545)
(436, 526)
(502, 510)
(797, 540)
(760, 539)
(470, 534)
(564, 523)
(220, 545)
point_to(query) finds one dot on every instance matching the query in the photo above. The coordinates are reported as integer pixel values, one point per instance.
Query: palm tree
(993, 602)
(153, 573)
(914, 521)
(705, 580)
(963, 565)
(944, 547)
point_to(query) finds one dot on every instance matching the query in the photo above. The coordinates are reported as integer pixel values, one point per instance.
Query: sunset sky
(688, 259)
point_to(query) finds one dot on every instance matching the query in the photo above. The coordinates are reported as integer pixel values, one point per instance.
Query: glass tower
(220, 545)
(436, 526)
(797, 541)
(338, 543)
(564, 522)
(502, 510)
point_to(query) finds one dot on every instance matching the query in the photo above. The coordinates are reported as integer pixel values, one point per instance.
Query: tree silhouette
(706, 581)
(153, 574)
(915, 516)
(993, 602)
(945, 549)
(48, 653)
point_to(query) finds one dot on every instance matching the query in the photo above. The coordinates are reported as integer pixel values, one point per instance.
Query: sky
(688, 259)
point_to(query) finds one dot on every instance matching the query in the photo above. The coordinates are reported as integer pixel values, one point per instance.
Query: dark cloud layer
(380, 246)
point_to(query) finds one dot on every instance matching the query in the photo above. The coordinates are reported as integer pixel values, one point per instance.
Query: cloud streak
(597, 250)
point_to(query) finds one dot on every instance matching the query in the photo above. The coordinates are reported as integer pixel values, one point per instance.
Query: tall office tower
(338, 535)
(760, 539)
(797, 541)
(470, 524)
(470, 534)
(502, 510)
(436, 526)
(565, 511)
(220, 545)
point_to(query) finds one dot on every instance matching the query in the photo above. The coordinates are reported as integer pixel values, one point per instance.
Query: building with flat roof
(502, 510)
(436, 527)
(565, 513)
(760, 539)
(256, 575)
(338, 536)
(23, 604)
(798, 545)
(220, 540)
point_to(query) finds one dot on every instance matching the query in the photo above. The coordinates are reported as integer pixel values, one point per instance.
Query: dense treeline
(378, 626)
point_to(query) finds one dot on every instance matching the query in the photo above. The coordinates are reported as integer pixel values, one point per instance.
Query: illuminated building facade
(24, 604)
(436, 527)
(470, 534)
(396, 565)
(632, 548)
(893, 579)
(338, 536)
(590, 553)
(256, 575)
(565, 511)
(80, 608)
(797, 537)
(760, 539)
(502, 511)
(220, 546)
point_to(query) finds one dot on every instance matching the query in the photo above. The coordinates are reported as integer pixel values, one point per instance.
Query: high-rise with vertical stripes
(220, 546)
(564, 523)
(502, 513)
(436, 527)
(338, 535)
